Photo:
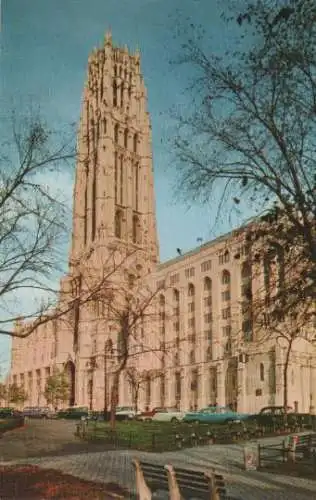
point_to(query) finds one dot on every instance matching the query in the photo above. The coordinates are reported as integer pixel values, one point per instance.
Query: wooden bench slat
(190, 482)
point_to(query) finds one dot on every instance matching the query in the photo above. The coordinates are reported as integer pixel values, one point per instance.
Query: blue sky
(44, 50)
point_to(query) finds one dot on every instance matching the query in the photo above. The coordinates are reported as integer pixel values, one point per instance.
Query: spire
(108, 38)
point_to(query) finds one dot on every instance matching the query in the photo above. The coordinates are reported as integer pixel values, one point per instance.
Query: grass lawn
(159, 436)
(29, 482)
(7, 424)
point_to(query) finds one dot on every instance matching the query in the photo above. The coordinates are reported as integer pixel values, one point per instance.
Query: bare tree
(32, 217)
(272, 307)
(250, 131)
(130, 315)
(138, 379)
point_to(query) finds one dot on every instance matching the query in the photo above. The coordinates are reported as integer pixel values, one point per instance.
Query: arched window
(114, 93)
(226, 256)
(135, 141)
(261, 372)
(125, 138)
(225, 277)
(118, 223)
(191, 290)
(136, 230)
(116, 133)
(207, 284)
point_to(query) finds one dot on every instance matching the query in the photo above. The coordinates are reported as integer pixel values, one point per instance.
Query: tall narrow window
(125, 138)
(116, 177)
(114, 94)
(122, 94)
(94, 195)
(104, 126)
(121, 181)
(135, 141)
(136, 230)
(116, 134)
(261, 372)
(136, 185)
(118, 224)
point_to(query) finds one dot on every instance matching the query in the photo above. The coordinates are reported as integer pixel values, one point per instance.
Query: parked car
(125, 413)
(148, 415)
(74, 413)
(215, 415)
(167, 415)
(275, 410)
(37, 412)
(9, 412)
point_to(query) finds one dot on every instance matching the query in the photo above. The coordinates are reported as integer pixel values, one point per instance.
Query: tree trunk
(285, 381)
(136, 399)
(114, 398)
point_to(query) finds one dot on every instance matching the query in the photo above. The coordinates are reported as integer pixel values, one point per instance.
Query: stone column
(312, 408)
(205, 382)
(241, 397)
(221, 400)
(186, 393)
(279, 372)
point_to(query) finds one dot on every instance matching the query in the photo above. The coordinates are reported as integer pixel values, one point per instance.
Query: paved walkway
(116, 466)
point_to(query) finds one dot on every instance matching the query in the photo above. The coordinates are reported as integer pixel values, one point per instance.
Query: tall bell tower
(114, 193)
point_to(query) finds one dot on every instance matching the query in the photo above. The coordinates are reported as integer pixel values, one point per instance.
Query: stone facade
(197, 346)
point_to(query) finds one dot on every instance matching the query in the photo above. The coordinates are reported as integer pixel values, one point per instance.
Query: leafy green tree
(3, 392)
(16, 394)
(56, 388)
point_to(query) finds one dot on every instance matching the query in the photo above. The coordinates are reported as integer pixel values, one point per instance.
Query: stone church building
(197, 344)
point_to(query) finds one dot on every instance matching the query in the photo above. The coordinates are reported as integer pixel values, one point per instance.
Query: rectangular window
(226, 313)
(206, 266)
(160, 284)
(189, 273)
(208, 335)
(176, 326)
(207, 301)
(227, 330)
(174, 279)
(176, 311)
(191, 322)
(208, 318)
(191, 306)
(226, 295)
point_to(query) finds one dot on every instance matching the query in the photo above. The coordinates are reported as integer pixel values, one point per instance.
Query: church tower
(114, 193)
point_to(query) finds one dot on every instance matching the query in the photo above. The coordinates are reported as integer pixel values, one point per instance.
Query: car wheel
(174, 420)
(148, 420)
(196, 421)
(228, 421)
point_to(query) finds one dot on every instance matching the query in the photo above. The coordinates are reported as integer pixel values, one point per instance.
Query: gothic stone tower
(114, 194)
(114, 205)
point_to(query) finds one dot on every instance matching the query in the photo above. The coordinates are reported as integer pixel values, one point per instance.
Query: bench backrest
(191, 483)
(303, 441)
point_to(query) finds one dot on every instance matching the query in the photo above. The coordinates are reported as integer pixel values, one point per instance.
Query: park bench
(302, 444)
(177, 483)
